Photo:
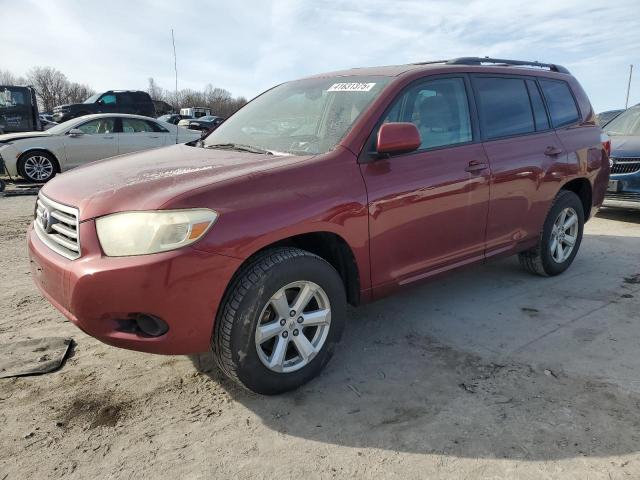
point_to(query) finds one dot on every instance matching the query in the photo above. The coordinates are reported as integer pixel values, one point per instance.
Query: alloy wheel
(293, 326)
(564, 235)
(38, 167)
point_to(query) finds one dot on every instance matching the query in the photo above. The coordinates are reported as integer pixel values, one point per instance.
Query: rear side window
(562, 106)
(504, 106)
(539, 112)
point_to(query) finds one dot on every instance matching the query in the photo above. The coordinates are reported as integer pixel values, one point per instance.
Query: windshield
(305, 117)
(627, 123)
(61, 127)
(93, 98)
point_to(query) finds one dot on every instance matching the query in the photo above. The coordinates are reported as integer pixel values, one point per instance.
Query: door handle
(108, 137)
(154, 136)
(552, 151)
(476, 166)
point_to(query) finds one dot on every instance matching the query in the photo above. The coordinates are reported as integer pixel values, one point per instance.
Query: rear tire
(260, 340)
(560, 238)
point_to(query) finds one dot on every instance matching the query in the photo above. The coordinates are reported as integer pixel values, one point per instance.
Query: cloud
(251, 45)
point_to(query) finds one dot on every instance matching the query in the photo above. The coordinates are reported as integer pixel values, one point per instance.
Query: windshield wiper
(240, 148)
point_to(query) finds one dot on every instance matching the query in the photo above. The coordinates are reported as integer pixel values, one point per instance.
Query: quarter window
(562, 106)
(504, 106)
(440, 110)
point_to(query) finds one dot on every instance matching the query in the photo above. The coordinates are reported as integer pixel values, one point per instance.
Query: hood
(148, 180)
(625, 146)
(10, 137)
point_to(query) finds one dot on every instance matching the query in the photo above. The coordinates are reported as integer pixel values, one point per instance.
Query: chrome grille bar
(57, 226)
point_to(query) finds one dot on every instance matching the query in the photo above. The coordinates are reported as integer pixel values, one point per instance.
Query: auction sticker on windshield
(351, 87)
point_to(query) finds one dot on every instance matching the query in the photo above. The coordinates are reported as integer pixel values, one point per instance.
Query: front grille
(57, 226)
(625, 165)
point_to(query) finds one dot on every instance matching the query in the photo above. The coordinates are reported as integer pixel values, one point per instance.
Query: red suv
(337, 188)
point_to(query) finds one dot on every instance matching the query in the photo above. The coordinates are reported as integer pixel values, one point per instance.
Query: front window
(98, 126)
(305, 117)
(109, 99)
(627, 123)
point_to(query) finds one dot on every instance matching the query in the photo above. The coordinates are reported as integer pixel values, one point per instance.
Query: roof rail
(499, 61)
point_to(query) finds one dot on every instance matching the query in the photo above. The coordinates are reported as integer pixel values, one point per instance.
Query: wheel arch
(581, 187)
(331, 247)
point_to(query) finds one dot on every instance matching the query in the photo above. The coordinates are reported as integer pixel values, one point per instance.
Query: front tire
(560, 238)
(37, 166)
(280, 321)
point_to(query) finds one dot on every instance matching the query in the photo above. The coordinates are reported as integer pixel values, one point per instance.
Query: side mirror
(398, 137)
(75, 132)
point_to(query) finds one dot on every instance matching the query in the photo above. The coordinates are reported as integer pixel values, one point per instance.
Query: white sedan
(38, 156)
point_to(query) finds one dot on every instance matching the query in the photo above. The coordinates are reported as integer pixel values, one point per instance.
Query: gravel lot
(486, 373)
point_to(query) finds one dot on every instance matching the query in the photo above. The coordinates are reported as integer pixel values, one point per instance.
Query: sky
(248, 46)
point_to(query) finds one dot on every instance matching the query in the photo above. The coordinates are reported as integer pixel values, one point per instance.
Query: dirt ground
(486, 373)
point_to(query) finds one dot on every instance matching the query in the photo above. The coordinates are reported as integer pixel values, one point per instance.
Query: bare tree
(8, 78)
(77, 93)
(155, 92)
(50, 85)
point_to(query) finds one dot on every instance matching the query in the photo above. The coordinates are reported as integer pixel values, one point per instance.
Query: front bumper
(628, 193)
(183, 287)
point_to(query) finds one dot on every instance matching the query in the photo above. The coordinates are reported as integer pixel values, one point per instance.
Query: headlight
(141, 233)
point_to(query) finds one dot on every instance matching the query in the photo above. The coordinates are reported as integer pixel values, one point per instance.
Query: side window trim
(544, 105)
(368, 155)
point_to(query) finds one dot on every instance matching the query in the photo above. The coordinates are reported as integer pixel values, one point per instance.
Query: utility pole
(626, 103)
(175, 68)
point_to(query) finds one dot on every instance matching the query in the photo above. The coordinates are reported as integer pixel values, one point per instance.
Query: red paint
(405, 218)
(399, 137)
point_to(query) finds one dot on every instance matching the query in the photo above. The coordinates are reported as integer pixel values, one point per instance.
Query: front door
(428, 209)
(98, 141)
(138, 134)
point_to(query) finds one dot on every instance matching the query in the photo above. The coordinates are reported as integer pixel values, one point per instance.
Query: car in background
(18, 109)
(624, 160)
(194, 112)
(38, 156)
(605, 117)
(204, 124)
(46, 122)
(112, 101)
(172, 118)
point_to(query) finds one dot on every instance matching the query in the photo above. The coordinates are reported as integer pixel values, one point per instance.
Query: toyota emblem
(45, 220)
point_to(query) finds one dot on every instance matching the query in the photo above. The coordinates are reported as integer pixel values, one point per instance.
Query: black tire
(25, 172)
(539, 260)
(234, 345)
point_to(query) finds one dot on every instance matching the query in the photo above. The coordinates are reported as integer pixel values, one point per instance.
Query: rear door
(527, 159)
(428, 208)
(98, 141)
(138, 134)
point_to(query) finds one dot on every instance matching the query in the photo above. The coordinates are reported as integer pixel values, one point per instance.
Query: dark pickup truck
(112, 101)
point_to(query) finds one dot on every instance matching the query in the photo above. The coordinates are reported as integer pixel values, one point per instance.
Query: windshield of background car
(627, 123)
(93, 98)
(305, 117)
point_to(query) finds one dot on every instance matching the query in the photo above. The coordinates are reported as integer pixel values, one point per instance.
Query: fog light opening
(151, 325)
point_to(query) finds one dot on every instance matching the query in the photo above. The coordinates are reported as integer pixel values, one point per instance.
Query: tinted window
(504, 106)
(157, 127)
(562, 106)
(125, 98)
(539, 112)
(107, 99)
(440, 110)
(96, 127)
